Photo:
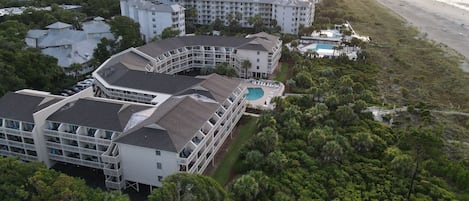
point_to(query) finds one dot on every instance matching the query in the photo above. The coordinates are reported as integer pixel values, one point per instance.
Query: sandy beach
(442, 22)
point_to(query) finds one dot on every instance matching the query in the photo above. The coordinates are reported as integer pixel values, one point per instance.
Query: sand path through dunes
(442, 22)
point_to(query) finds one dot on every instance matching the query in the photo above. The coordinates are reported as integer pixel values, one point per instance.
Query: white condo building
(174, 55)
(154, 17)
(288, 14)
(132, 143)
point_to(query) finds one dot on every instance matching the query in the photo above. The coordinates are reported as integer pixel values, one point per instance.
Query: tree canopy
(33, 182)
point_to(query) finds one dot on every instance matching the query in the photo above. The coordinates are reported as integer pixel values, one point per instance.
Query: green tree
(184, 186)
(257, 22)
(102, 52)
(169, 32)
(103, 8)
(332, 151)
(76, 68)
(245, 188)
(246, 65)
(345, 115)
(225, 69)
(126, 31)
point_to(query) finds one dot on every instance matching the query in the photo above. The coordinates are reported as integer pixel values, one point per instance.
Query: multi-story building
(154, 17)
(133, 143)
(179, 54)
(288, 14)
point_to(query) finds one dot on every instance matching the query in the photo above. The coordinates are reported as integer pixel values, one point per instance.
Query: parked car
(75, 89)
(64, 94)
(69, 92)
(82, 85)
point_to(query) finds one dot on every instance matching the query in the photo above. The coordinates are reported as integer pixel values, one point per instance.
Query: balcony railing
(113, 172)
(110, 159)
(114, 184)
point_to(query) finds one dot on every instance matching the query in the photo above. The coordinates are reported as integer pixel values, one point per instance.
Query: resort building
(180, 134)
(68, 45)
(174, 55)
(154, 17)
(288, 14)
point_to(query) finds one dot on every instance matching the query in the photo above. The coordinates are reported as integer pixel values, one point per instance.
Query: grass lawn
(247, 129)
(282, 73)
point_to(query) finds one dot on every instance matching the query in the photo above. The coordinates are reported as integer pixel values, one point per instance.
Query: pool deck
(271, 89)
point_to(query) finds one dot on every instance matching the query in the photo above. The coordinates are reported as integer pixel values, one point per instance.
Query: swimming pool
(254, 93)
(324, 46)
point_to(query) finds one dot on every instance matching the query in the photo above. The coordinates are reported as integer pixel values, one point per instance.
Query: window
(158, 153)
(1, 122)
(258, 59)
(12, 124)
(258, 52)
(257, 67)
(160, 178)
(159, 166)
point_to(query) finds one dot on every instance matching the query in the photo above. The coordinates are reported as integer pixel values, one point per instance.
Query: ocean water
(463, 4)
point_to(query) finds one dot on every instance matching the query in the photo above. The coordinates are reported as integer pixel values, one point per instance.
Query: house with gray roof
(62, 41)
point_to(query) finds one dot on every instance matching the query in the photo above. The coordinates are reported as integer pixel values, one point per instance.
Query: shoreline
(441, 22)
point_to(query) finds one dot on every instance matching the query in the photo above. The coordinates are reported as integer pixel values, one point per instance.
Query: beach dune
(442, 22)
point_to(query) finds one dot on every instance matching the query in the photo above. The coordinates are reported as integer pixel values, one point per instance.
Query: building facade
(174, 55)
(108, 134)
(154, 17)
(288, 14)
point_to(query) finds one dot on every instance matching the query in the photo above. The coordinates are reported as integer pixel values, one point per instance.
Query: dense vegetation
(34, 182)
(22, 67)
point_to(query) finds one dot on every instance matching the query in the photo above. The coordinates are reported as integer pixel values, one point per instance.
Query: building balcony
(16, 144)
(12, 131)
(69, 136)
(112, 172)
(114, 184)
(110, 159)
(53, 145)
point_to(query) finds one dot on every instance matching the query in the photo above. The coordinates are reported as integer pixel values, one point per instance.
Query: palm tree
(76, 68)
(246, 64)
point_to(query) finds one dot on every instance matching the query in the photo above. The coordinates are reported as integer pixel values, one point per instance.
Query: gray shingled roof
(149, 138)
(59, 25)
(97, 114)
(177, 119)
(121, 76)
(22, 107)
(157, 48)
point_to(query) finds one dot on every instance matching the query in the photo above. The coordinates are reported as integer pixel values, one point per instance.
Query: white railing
(92, 164)
(70, 136)
(51, 133)
(53, 145)
(87, 139)
(12, 131)
(30, 146)
(70, 148)
(115, 185)
(4, 152)
(16, 144)
(27, 134)
(111, 172)
(110, 159)
(103, 141)
(89, 151)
